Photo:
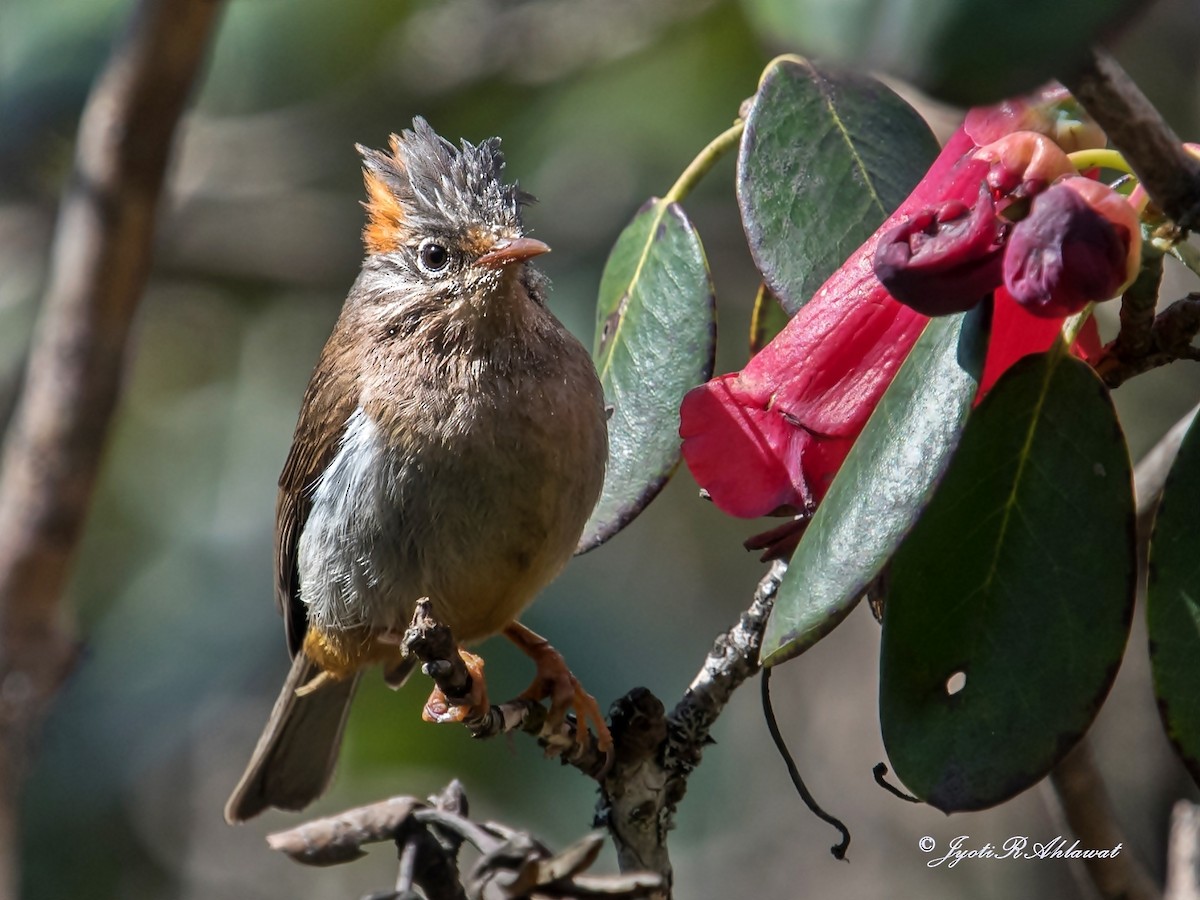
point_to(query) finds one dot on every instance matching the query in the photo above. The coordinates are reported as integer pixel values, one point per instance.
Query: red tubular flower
(1080, 243)
(770, 439)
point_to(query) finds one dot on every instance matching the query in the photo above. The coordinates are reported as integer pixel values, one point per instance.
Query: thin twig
(879, 773)
(733, 659)
(1183, 853)
(1138, 304)
(1090, 815)
(1169, 339)
(339, 839)
(1170, 175)
(101, 254)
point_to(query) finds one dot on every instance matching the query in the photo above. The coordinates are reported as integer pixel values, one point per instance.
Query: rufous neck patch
(385, 217)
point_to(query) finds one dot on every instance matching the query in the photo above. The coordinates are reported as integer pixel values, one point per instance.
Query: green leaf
(767, 319)
(655, 340)
(881, 488)
(824, 159)
(963, 51)
(1019, 576)
(1173, 602)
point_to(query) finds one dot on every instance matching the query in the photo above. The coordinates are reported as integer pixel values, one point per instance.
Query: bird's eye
(433, 256)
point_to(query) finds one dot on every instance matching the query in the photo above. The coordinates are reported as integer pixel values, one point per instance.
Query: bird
(451, 445)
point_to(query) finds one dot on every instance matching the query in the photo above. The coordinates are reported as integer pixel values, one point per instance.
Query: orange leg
(438, 707)
(554, 680)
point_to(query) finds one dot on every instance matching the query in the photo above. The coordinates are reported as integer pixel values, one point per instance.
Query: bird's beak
(511, 250)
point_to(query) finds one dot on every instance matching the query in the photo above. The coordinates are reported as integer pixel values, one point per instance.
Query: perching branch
(655, 753)
(431, 642)
(513, 865)
(100, 258)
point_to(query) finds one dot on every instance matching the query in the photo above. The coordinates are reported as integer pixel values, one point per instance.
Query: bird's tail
(295, 756)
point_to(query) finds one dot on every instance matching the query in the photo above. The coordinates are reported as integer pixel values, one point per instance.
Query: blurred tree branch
(54, 446)
(428, 836)
(1151, 472)
(1080, 789)
(1183, 853)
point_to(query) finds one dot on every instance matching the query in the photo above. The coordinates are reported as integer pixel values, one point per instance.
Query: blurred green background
(600, 104)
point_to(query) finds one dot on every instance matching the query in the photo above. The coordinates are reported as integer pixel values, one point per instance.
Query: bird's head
(440, 217)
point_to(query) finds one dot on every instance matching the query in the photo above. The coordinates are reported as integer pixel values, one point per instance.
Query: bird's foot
(556, 681)
(439, 708)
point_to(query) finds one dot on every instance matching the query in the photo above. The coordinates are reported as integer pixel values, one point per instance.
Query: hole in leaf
(611, 321)
(956, 683)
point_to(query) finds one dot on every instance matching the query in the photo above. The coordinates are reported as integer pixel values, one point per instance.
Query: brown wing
(329, 401)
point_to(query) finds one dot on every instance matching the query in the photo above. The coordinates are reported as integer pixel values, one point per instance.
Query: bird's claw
(439, 708)
(556, 682)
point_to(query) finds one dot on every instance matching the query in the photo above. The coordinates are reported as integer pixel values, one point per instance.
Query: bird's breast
(468, 484)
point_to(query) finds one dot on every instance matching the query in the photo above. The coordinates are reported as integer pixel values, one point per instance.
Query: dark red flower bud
(1079, 244)
(944, 259)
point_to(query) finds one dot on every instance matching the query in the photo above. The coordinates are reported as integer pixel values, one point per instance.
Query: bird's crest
(427, 185)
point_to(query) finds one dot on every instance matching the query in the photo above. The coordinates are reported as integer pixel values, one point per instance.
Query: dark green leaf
(767, 319)
(1020, 577)
(655, 339)
(881, 488)
(824, 159)
(1173, 602)
(964, 51)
